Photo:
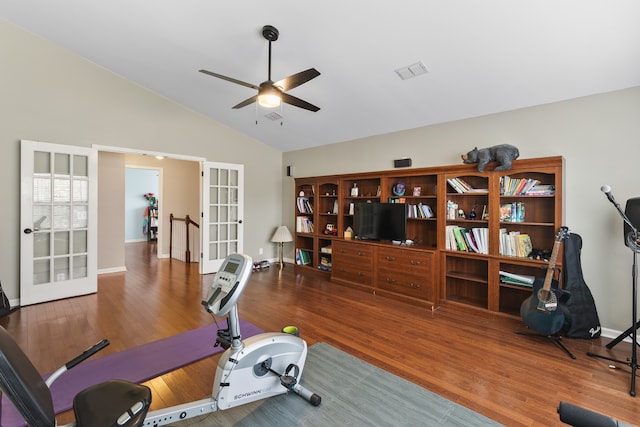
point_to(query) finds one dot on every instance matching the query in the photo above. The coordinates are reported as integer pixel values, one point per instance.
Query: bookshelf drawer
(353, 250)
(404, 261)
(360, 276)
(412, 285)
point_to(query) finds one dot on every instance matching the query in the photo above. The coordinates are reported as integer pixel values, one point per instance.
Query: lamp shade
(268, 96)
(281, 235)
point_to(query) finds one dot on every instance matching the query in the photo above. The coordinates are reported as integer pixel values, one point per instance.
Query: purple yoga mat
(137, 364)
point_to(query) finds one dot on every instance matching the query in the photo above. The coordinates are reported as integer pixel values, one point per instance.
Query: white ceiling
(483, 56)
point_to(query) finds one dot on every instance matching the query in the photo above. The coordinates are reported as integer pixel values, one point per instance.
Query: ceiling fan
(271, 94)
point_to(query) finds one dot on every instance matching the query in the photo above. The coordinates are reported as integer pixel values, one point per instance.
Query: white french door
(58, 216)
(222, 213)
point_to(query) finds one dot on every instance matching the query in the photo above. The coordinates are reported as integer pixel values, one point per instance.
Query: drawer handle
(390, 280)
(414, 286)
(360, 273)
(361, 254)
(415, 262)
(390, 258)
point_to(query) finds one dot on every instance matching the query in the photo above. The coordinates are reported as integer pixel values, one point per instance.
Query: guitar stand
(556, 339)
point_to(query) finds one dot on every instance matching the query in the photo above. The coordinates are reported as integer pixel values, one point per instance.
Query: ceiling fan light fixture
(270, 94)
(269, 100)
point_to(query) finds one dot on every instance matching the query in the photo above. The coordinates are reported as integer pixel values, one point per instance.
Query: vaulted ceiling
(481, 57)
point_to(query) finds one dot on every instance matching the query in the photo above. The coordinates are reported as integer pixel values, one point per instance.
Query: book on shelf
(325, 263)
(420, 211)
(516, 279)
(470, 240)
(524, 245)
(304, 205)
(481, 235)
(545, 189)
(467, 240)
(396, 200)
(304, 224)
(459, 239)
(515, 243)
(505, 212)
(524, 187)
(459, 185)
(303, 257)
(512, 212)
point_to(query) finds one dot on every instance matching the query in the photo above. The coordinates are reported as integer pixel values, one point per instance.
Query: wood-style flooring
(478, 362)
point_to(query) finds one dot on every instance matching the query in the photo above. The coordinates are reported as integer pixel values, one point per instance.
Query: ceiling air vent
(273, 116)
(412, 70)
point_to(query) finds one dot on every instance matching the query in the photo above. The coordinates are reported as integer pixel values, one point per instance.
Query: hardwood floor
(478, 362)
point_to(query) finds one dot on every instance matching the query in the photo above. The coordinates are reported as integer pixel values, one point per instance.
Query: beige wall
(111, 182)
(599, 137)
(51, 95)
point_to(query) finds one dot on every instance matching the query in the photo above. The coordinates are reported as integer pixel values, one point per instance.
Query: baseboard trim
(112, 270)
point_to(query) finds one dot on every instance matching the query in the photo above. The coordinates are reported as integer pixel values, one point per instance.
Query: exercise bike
(259, 367)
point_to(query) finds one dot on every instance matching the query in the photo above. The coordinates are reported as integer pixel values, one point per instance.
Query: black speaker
(289, 170)
(402, 163)
(632, 211)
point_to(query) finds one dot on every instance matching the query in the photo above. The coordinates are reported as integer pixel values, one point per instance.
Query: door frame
(124, 150)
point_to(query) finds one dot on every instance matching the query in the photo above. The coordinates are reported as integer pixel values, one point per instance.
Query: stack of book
(512, 212)
(304, 224)
(468, 240)
(325, 263)
(514, 243)
(523, 186)
(304, 206)
(516, 279)
(419, 211)
(459, 185)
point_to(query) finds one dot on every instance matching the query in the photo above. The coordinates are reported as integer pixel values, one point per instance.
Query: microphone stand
(633, 242)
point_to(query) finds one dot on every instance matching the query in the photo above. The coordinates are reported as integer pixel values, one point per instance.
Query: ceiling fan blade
(230, 79)
(246, 102)
(297, 79)
(297, 102)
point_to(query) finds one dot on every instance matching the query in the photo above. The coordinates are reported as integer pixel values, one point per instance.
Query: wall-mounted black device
(402, 163)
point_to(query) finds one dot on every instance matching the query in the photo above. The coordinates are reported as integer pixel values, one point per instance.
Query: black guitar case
(585, 322)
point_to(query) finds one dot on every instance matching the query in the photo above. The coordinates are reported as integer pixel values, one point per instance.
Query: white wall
(599, 137)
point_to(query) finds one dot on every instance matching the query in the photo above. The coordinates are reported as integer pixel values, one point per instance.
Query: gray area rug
(354, 393)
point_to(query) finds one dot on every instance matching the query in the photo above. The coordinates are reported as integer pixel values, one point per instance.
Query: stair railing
(187, 222)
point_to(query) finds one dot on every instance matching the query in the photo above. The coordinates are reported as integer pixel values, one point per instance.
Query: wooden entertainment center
(435, 269)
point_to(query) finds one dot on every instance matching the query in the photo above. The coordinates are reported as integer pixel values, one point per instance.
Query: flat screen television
(380, 221)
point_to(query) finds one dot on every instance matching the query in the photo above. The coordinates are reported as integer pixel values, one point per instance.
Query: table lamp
(281, 236)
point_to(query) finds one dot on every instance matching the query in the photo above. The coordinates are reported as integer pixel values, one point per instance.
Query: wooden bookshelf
(431, 272)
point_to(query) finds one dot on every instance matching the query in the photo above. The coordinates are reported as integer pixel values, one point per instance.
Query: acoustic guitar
(544, 311)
